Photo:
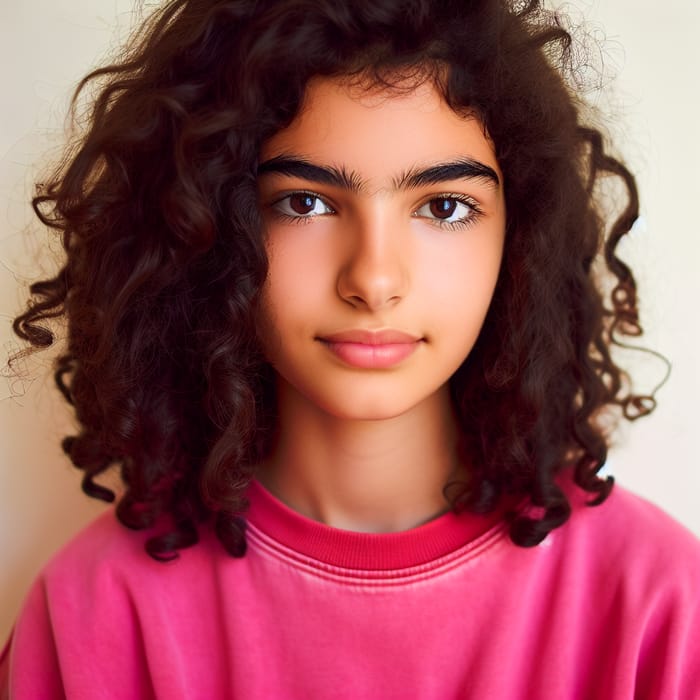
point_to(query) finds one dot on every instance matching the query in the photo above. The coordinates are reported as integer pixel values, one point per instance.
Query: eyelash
(300, 218)
(461, 224)
(464, 223)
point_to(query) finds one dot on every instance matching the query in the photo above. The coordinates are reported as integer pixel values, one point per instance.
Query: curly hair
(165, 257)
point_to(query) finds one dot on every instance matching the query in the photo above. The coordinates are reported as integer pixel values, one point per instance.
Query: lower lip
(372, 356)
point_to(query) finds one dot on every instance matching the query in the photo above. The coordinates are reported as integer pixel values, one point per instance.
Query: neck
(368, 476)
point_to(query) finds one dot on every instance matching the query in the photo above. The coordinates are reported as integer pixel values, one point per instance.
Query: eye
(449, 210)
(301, 205)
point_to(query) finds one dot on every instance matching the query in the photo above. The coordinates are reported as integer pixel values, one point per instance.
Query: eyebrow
(306, 170)
(459, 169)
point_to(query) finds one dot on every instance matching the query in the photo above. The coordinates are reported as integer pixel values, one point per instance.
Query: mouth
(387, 336)
(365, 349)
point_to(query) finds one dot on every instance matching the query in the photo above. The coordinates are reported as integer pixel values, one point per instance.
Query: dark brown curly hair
(165, 259)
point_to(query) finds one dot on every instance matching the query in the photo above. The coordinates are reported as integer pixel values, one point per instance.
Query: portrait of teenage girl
(340, 304)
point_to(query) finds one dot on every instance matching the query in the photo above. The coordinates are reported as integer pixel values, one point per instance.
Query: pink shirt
(607, 607)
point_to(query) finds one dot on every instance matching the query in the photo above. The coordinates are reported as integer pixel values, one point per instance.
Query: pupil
(302, 203)
(443, 208)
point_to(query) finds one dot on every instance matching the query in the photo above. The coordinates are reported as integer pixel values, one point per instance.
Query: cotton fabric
(608, 606)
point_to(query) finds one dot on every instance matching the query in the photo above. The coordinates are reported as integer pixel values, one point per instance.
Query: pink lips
(371, 349)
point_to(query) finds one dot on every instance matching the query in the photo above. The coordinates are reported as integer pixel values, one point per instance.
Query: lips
(382, 337)
(371, 349)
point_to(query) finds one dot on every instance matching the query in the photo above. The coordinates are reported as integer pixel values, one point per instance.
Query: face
(384, 215)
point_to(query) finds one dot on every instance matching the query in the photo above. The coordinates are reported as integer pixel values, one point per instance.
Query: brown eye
(442, 207)
(302, 203)
(449, 211)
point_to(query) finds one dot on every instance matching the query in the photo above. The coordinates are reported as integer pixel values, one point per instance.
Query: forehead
(377, 131)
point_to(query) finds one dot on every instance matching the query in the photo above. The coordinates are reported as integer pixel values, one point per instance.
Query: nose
(375, 272)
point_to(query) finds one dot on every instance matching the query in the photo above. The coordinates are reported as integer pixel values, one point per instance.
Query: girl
(334, 309)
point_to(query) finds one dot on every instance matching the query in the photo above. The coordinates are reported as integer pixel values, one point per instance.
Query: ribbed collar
(366, 551)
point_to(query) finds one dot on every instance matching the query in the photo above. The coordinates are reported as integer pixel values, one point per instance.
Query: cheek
(294, 286)
(299, 265)
(462, 277)
(268, 337)
(273, 293)
(461, 294)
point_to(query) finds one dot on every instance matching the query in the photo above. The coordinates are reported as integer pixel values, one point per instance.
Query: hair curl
(165, 258)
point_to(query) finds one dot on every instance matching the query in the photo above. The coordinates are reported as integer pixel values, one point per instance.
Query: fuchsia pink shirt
(607, 607)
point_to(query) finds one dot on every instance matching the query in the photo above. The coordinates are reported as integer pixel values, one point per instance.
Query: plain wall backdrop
(649, 63)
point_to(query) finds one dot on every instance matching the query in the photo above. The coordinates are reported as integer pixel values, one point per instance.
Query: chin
(367, 408)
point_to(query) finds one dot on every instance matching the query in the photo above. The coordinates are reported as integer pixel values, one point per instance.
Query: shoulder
(105, 535)
(641, 571)
(108, 561)
(635, 542)
(104, 579)
(626, 519)
(104, 545)
(102, 596)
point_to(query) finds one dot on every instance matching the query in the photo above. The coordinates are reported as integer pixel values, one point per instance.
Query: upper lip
(387, 336)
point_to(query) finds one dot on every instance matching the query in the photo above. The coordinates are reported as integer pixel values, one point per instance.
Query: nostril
(372, 286)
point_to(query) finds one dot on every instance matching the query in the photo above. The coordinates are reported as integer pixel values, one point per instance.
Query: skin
(370, 447)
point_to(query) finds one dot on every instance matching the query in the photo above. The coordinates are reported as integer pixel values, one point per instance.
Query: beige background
(647, 59)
